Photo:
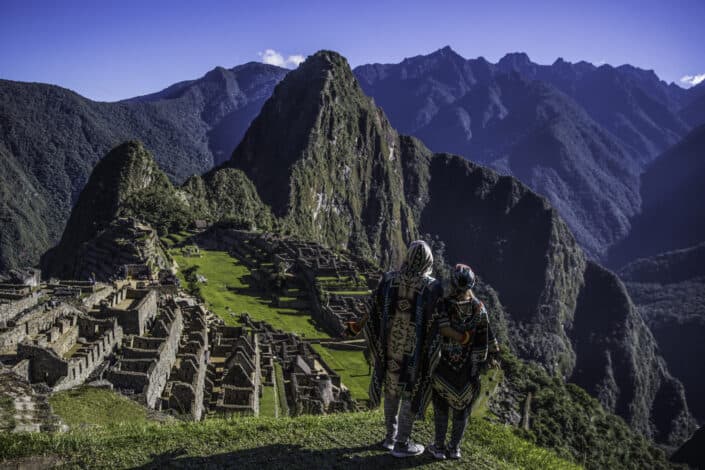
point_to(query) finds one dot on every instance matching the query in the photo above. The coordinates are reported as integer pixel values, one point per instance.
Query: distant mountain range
(577, 133)
(673, 212)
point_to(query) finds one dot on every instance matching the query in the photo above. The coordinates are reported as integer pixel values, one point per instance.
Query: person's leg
(440, 423)
(404, 446)
(406, 421)
(460, 422)
(440, 420)
(391, 411)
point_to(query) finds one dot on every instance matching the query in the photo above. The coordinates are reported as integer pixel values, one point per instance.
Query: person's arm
(463, 338)
(353, 328)
(443, 321)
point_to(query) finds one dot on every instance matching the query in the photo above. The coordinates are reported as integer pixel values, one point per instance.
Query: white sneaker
(439, 453)
(387, 444)
(410, 449)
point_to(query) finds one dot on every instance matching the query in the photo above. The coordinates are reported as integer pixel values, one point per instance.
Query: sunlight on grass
(86, 406)
(226, 291)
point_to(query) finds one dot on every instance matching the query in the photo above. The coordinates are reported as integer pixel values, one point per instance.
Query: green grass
(267, 403)
(7, 413)
(89, 406)
(332, 441)
(352, 368)
(226, 288)
(281, 390)
(488, 383)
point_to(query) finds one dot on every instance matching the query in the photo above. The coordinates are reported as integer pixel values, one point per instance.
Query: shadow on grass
(290, 457)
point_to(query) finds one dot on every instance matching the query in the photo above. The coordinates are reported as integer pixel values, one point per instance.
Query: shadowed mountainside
(669, 291)
(672, 216)
(576, 133)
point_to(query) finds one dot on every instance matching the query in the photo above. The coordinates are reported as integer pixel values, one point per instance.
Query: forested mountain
(51, 138)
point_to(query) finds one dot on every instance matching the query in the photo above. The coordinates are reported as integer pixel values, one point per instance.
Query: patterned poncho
(405, 347)
(456, 377)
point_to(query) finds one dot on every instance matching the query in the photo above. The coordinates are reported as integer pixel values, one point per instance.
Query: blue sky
(109, 50)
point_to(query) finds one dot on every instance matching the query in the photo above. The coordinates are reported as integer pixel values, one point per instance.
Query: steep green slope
(328, 162)
(22, 205)
(669, 292)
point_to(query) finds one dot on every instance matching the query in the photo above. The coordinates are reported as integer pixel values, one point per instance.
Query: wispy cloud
(692, 80)
(272, 57)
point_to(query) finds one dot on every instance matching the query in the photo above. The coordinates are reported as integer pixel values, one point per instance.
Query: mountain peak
(514, 61)
(309, 150)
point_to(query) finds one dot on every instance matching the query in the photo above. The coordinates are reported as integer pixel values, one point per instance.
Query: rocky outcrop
(618, 361)
(125, 172)
(328, 162)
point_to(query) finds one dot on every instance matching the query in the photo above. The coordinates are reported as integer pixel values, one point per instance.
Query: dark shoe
(387, 444)
(410, 449)
(438, 452)
(454, 453)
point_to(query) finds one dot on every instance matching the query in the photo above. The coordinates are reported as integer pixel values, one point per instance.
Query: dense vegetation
(565, 418)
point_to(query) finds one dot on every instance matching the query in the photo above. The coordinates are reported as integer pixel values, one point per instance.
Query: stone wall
(31, 323)
(184, 392)
(78, 360)
(235, 371)
(146, 362)
(12, 304)
(134, 317)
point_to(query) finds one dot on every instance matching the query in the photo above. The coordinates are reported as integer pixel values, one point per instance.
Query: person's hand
(493, 361)
(352, 328)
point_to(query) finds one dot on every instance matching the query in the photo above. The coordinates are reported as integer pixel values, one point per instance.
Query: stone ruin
(151, 342)
(185, 388)
(235, 376)
(312, 387)
(125, 249)
(146, 358)
(135, 309)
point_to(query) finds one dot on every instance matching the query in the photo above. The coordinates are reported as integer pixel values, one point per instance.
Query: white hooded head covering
(418, 262)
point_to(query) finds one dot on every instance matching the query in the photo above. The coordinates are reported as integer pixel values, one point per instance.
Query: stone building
(235, 382)
(184, 391)
(144, 362)
(66, 354)
(135, 309)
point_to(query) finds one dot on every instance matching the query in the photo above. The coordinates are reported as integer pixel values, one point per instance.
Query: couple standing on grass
(426, 341)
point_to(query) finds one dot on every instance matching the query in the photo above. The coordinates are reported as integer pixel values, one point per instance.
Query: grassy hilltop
(330, 441)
